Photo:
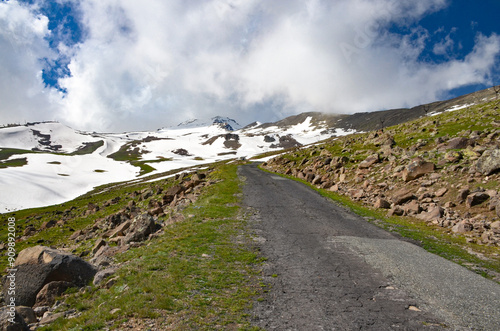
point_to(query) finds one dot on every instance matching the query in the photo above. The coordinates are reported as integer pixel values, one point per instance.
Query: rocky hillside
(144, 243)
(441, 169)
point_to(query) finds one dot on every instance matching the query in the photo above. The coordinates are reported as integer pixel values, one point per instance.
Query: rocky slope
(441, 169)
(131, 218)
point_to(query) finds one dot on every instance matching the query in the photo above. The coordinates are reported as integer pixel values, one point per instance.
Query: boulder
(142, 226)
(398, 211)
(442, 191)
(120, 230)
(48, 294)
(382, 203)
(99, 243)
(432, 214)
(369, 161)
(462, 227)
(103, 274)
(489, 162)
(412, 208)
(356, 193)
(401, 196)
(417, 168)
(39, 265)
(476, 199)
(458, 143)
(463, 194)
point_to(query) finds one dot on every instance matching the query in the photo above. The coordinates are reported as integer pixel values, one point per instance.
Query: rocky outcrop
(38, 266)
(437, 182)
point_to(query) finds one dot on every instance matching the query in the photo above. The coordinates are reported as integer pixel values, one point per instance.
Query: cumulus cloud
(147, 64)
(23, 53)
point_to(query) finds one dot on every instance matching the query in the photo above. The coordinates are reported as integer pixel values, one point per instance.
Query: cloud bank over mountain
(131, 65)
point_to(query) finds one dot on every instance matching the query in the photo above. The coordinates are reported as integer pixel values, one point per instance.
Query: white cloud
(147, 64)
(23, 96)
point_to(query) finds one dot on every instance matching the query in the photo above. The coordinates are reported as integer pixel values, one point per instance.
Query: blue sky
(113, 65)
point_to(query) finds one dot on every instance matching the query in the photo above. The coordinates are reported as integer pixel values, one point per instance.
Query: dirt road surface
(329, 269)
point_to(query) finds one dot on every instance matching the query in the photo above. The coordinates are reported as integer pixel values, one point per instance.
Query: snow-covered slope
(63, 163)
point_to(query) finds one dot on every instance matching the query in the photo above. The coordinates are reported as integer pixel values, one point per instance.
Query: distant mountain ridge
(55, 163)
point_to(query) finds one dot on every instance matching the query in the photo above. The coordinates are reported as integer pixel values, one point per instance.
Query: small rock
(51, 318)
(402, 196)
(476, 199)
(382, 203)
(458, 143)
(432, 214)
(100, 243)
(103, 274)
(462, 227)
(398, 211)
(439, 193)
(114, 311)
(369, 161)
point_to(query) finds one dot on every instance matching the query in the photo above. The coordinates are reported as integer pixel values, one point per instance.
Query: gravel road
(329, 269)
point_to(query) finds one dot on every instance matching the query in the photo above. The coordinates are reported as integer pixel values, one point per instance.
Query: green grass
(195, 276)
(14, 163)
(5, 153)
(88, 148)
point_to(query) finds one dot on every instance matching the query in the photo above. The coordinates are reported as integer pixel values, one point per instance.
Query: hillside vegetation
(170, 253)
(435, 179)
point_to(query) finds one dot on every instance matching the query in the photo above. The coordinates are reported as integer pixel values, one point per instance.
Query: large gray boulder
(37, 266)
(489, 162)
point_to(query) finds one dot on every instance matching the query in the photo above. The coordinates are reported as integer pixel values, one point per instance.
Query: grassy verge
(483, 260)
(195, 276)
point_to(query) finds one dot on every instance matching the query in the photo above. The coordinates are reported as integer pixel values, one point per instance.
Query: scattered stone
(439, 193)
(402, 196)
(103, 274)
(120, 230)
(369, 161)
(462, 227)
(382, 204)
(51, 318)
(432, 214)
(458, 143)
(48, 294)
(142, 226)
(398, 211)
(417, 168)
(99, 243)
(476, 199)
